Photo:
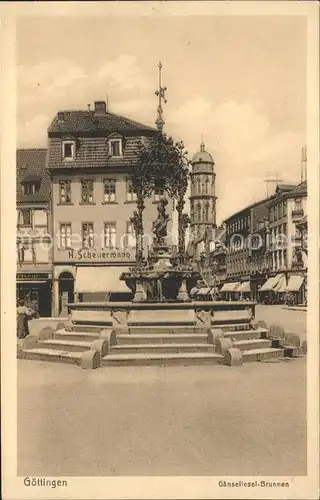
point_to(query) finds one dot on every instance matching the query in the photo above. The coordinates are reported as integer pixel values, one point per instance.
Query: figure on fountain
(160, 224)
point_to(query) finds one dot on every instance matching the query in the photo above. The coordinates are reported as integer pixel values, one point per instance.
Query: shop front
(35, 289)
(88, 276)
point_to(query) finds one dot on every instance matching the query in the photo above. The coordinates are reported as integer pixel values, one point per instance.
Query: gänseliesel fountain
(162, 324)
(164, 275)
(161, 278)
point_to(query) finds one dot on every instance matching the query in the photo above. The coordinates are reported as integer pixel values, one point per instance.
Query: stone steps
(162, 338)
(77, 336)
(162, 359)
(67, 345)
(53, 355)
(231, 326)
(261, 354)
(249, 344)
(169, 330)
(162, 348)
(245, 334)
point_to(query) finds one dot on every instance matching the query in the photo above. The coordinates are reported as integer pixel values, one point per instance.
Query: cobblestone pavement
(292, 321)
(203, 420)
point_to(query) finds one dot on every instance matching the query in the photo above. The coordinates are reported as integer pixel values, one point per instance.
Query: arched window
(206, 212)
(198, 185)
(207, 185)
(199, 212)
(192, 212)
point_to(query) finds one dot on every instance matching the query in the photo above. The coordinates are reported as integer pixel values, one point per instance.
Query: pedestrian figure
(23, 316)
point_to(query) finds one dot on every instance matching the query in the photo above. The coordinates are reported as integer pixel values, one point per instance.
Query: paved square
(162, 421)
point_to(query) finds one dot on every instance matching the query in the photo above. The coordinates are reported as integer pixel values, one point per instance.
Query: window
(40, 218)
(65, 191)
(158, 190)
(285, 208)
(87, 235)
(28, 253)
(199, 212)
(130, 236)
(276, 212)
(130, 194)
(285, 258)
(206, 212)
(109, 191)
(28, 188)
(298, 205)
(207, 185)
(65, 236)
(68, 148)
(87, 191)
(115, 147)
(198, 190)
(280, 210)
(109, 234)
(280, 258)
(25, 218)
(42, 252)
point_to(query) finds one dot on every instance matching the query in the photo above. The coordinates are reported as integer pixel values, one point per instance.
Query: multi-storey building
(287, 262)
(34, 267)
(246, 244)
(90, 154)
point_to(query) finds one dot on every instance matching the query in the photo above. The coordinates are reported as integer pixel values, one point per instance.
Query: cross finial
(202, 145)
(162, 97)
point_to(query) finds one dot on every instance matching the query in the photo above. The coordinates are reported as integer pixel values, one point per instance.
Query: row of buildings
(75, 201)
(260, 252)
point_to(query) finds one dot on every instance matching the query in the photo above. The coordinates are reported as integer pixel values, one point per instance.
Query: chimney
(100, 108)
(60, 116)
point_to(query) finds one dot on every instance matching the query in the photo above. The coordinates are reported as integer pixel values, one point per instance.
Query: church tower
(203, 198)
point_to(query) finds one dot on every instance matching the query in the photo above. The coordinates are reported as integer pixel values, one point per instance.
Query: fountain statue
(161, 223)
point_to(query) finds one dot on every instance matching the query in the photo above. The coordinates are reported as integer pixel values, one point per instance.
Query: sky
(237, 81)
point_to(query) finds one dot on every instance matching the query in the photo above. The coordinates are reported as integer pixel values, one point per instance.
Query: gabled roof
(300, 190)
(31, 167)
(79, 121)
(295, 191)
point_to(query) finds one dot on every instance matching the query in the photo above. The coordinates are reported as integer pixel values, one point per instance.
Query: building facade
(90, 154)
(34, 250)
(286, 258)
(246, 244)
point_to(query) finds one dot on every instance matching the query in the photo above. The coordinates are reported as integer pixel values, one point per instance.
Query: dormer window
(115, 147)
(68, 150)
(28, 188)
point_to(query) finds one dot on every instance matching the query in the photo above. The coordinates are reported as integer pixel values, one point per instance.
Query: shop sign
(102, 255)
(32, 276)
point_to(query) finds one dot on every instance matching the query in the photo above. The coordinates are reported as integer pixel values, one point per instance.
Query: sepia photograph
(161, 232)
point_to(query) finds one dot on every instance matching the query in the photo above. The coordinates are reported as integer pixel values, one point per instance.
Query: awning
(203, 291)
(100, 279)
(230, 287)
(244, 287)
(295, 283)
(281, 286)
(271, 283)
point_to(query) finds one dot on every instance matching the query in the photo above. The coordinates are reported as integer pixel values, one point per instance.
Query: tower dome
(202, 156)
